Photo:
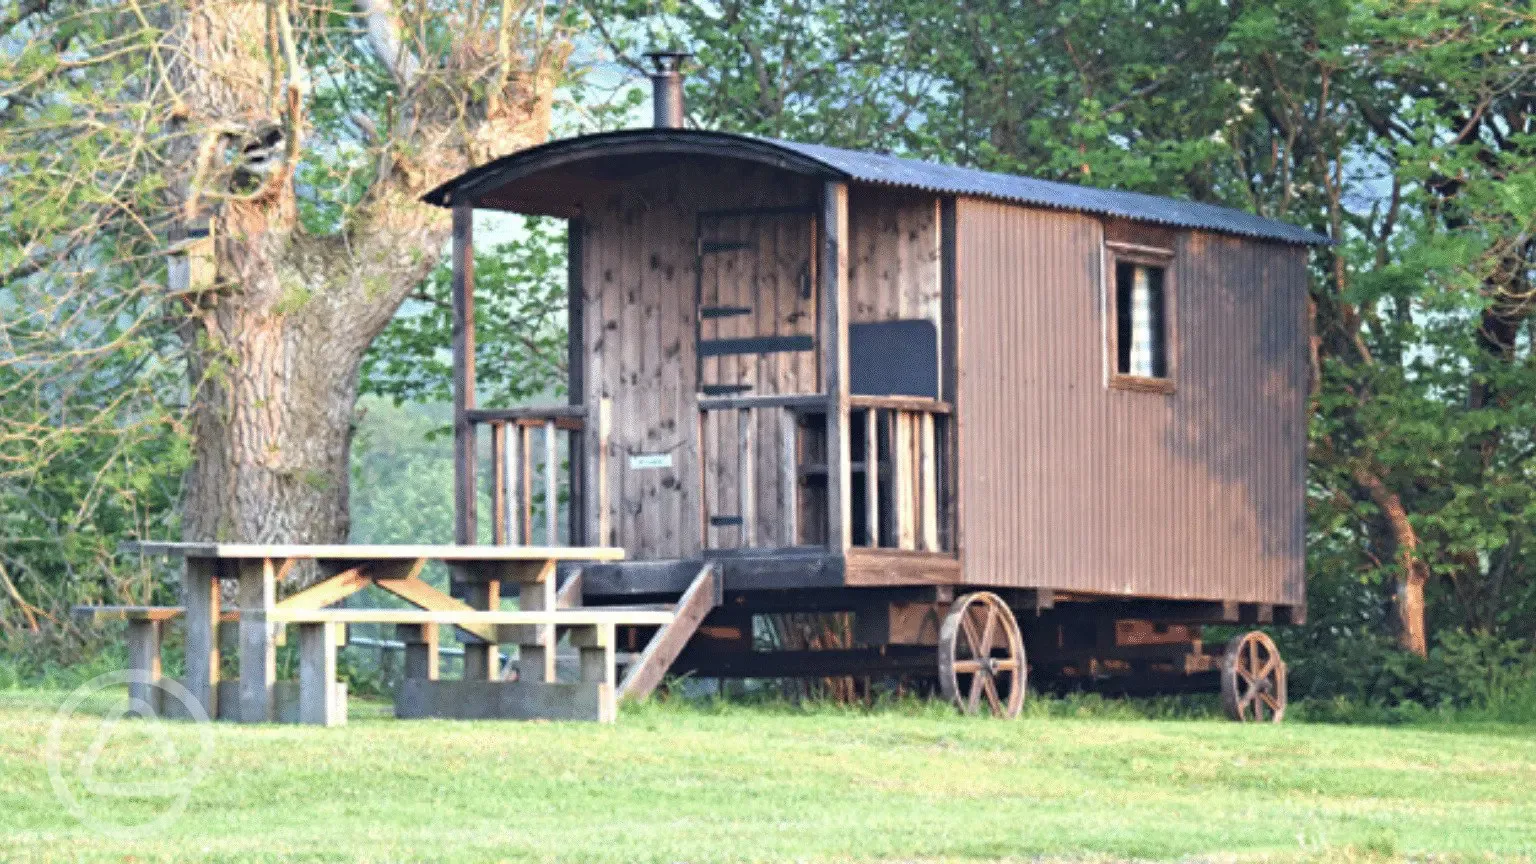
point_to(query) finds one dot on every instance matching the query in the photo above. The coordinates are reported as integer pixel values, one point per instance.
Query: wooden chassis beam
(811, 664)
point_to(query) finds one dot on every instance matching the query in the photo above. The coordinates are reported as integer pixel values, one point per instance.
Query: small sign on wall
(650, 461)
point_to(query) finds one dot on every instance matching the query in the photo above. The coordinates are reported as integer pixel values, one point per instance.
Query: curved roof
(862, 167)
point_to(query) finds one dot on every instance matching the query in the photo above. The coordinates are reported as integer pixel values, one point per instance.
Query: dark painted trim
(628, 142)
(727, 246)
(951, 534)
(726, 389)
(724, 311)
(755, 345)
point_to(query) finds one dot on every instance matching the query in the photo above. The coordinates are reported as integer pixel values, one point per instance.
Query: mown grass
(729, 782)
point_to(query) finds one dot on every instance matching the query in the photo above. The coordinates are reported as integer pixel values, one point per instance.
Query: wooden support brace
(331, 591)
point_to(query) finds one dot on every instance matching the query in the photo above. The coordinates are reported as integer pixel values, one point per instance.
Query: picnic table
(482, 572)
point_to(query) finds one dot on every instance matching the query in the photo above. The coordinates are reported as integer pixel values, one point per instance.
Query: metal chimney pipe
(667, 87)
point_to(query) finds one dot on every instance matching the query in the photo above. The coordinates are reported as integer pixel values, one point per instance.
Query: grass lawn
(735, 783)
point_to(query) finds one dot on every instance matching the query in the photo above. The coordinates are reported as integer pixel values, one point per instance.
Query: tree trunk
(1413, 573)
(275, 363)
(276, 336)
(1411, 635)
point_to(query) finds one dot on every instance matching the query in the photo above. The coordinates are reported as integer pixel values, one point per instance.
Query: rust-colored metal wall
(1069, 484)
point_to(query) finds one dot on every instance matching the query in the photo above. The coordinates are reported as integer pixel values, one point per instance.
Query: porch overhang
(552, 179)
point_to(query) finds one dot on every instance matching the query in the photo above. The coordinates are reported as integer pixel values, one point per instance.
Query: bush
(1357, 676)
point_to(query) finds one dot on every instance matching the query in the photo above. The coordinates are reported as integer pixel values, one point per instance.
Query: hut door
(757, 336)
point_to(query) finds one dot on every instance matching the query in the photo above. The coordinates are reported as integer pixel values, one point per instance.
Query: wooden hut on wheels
(993, 417)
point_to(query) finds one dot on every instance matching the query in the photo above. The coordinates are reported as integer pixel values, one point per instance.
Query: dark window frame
(1117, 253)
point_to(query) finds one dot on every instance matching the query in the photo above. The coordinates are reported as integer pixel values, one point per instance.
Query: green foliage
(1365, 677)
(91, 451)
(519, 324)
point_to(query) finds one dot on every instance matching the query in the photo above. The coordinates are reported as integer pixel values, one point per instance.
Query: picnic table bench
(543, 617)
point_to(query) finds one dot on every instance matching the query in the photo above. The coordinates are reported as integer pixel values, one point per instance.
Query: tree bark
(276, 337)
(275, 367)
(1413, 572)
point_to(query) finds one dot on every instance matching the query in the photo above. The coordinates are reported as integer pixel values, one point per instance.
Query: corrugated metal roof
(949, 179)
(863, 167)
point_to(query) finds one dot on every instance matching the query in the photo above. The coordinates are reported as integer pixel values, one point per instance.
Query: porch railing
(526, 459)
(899, 467)
(903, 459)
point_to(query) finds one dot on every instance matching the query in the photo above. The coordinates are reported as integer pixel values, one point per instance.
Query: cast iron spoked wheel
(1253, 679)
(981, 656)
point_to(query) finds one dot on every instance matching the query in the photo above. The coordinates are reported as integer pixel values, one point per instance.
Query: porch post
(576, 379)
(463, 373)
(834, 361)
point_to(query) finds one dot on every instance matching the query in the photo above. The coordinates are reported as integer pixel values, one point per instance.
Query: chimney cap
(667, 61)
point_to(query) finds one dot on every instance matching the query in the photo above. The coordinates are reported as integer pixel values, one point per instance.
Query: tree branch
(383, 24)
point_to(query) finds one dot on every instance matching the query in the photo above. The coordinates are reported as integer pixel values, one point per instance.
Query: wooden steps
(642, 676)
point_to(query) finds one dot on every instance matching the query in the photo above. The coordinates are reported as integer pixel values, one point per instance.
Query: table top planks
(579, 617)
(373, 551)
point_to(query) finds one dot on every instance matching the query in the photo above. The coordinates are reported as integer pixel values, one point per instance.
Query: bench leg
(598, 666)
(200, 594)
(144, 661)
(536, 660)
(482, 661)
(421, 654)
(319, 702)
(258, 648)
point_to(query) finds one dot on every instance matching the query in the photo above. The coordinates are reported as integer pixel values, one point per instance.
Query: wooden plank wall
(766, 279)
(894, 274)
(1068, 484)
(893, 262)
(638, 260)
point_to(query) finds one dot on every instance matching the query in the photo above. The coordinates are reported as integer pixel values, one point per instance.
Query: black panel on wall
(894, 358)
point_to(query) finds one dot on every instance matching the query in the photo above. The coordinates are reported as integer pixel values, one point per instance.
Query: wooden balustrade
(747, 477)
(899, 472)
(904, 442)
(525, 468)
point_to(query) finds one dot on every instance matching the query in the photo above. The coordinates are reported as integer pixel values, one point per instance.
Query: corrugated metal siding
(1068, 484)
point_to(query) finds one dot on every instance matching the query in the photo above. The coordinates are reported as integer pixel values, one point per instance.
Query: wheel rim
(1253, 679)
(981, 657)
